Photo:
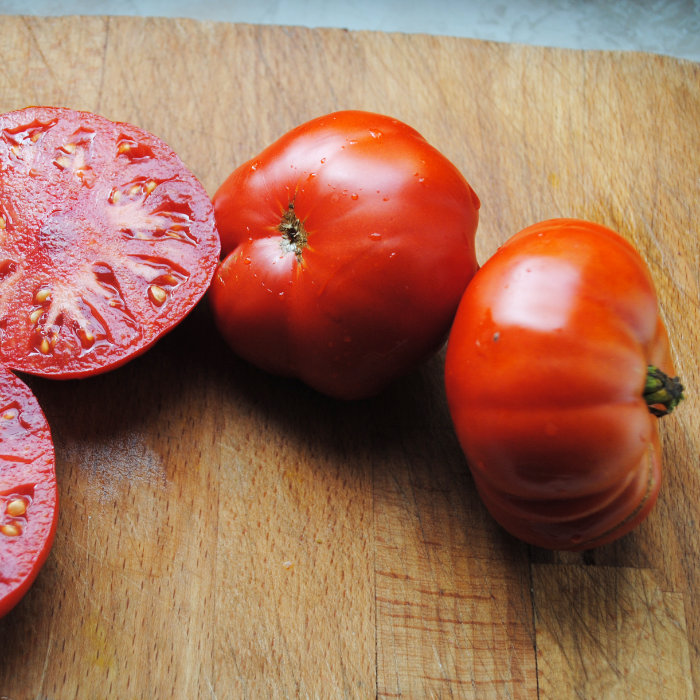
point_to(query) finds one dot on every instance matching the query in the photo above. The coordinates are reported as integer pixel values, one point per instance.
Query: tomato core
(294, 234)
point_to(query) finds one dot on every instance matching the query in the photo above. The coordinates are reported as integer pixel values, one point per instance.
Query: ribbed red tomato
(106, 241)
(550, 380)
(28, 494)
(349, 243)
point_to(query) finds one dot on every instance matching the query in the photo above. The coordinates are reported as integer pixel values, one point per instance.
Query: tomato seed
(157, 294)
(150, 186)
(11, 529)
(44, 347)
(36, 315)
(16, 507)
(87, 338)
(3, 223)
(42, 295)
(69, 147)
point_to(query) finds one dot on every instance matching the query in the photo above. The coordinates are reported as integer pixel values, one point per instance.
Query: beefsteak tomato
(106, 241)
(28, 494)
(348, 244)
(546, 371)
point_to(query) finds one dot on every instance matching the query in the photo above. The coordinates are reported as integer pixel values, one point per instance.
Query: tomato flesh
(28, 493)
(106, 241)
(545, 374)
(348, 244)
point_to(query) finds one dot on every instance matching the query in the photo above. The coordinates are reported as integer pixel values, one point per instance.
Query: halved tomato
(28, 493)
(107, 241)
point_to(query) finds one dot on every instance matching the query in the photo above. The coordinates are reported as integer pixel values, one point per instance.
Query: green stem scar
(661, 392)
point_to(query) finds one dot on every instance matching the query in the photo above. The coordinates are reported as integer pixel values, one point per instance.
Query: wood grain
(224, 533)
(633, 640)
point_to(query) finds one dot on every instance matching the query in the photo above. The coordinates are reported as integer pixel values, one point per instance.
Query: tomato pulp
(556, 357)
(106, 241)
(28, 494)
(348, 244)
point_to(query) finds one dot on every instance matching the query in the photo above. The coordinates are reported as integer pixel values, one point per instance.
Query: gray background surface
(670, 27)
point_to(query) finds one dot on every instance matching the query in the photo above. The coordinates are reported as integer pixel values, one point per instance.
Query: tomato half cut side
(28, 493)
(107, 241)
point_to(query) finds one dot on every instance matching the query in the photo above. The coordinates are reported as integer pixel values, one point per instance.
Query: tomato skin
(545, 371)
(388, 226)
(27, 479)
(107, 241)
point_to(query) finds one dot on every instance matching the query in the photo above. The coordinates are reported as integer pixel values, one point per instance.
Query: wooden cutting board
(226, 534)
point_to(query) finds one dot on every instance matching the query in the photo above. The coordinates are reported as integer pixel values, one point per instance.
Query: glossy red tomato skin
(28, 478)
(390, 248)
(545, 370)
(108, 241)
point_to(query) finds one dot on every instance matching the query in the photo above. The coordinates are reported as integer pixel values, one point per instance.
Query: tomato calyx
(661, 392)
(294, 236)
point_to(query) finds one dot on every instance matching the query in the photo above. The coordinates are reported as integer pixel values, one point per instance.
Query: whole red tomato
(551, 354)
(349, 243)
(28, 494)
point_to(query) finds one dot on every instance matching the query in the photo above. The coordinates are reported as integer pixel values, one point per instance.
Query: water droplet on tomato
(375, 236)
(354, 196)
(375, 133)
(247, 261)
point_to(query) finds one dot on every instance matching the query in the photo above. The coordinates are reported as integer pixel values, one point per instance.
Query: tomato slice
(28, 494)
(107, 241)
